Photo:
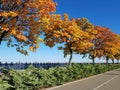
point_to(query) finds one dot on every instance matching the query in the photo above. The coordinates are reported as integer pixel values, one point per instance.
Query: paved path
(106, 81)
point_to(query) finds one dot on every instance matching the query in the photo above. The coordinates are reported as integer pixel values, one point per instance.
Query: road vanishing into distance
(106, 81)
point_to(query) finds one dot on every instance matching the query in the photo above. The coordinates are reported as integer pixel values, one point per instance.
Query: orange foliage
(105, 43)
(23, 20)
(67, 32)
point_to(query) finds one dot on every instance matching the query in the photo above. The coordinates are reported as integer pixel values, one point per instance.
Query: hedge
(35, 78)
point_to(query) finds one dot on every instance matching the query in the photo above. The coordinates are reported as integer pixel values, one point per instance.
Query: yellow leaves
(4, 27)
(9, 14)
(92, 31)
(40, 39)
(21, 37)
(13, 14)
(57, 16)
(32, 48)
(66, 17)
(35, 45)
(45, 20)
(64, 34)
(13, 32)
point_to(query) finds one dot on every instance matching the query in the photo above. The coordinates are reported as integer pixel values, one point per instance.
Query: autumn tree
(105, 44)
(51, 28)
(20, 22)
(66, 32)
(78, 42)
(117, 55)
(88, 27)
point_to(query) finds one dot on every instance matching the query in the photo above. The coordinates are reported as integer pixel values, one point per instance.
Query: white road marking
(105, 83)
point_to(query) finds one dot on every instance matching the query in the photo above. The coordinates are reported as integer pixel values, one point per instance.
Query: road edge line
(105, 83)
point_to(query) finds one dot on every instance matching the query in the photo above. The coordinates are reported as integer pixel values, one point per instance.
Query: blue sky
(99, 12)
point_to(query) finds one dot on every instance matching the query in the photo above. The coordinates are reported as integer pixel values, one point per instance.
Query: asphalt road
(106, 81)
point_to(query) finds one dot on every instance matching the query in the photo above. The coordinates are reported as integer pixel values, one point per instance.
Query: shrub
(35, 78)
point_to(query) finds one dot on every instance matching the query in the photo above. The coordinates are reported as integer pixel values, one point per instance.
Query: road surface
(106, 81)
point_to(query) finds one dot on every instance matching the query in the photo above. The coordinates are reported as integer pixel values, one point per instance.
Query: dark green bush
(35, 78)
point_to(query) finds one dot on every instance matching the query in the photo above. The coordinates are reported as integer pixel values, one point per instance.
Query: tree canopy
(22, 22)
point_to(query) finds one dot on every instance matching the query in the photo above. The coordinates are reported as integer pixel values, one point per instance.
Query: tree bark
(70, 59)
(107, 60)
(117, 61)
(113, 61)
(93, 59)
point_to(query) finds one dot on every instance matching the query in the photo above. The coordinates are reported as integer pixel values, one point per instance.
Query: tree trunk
(117, 61)
(70, 59)
(113, 61)
(93, 59)
(107, 61)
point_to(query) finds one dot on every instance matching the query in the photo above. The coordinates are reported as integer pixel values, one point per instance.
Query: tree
(52, 29)
(20, 22)
(117, 56)
(68, 33)
(78, 42)
(88, 27)
(105, 44)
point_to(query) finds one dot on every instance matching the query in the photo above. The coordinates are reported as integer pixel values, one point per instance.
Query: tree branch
(3, 35)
